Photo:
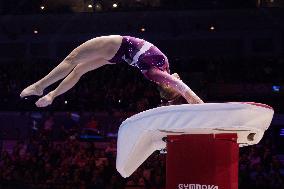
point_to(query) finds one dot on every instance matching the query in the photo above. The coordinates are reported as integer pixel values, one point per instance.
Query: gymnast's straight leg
(70, 81)
(93, 50)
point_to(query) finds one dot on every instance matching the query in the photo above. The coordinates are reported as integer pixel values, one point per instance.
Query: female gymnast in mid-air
(113, 49)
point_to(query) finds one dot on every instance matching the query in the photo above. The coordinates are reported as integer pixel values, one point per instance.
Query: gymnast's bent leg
(70, 81)
(97, 48)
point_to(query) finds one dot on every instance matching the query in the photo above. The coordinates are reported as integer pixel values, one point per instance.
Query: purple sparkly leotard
(141, 54)
(150, 60)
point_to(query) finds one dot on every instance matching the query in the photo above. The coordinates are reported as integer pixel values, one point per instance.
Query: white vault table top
(140, 135)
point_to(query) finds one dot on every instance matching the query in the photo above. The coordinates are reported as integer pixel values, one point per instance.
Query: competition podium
(202, 141)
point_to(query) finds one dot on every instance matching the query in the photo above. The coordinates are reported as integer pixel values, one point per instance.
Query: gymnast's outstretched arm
(162, 78)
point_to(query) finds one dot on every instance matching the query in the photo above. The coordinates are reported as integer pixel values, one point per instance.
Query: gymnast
(113, 49)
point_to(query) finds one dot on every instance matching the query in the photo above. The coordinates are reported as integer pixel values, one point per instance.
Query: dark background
(224, 50)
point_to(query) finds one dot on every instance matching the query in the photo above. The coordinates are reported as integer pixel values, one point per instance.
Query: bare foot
(31, 90)
(45, 101)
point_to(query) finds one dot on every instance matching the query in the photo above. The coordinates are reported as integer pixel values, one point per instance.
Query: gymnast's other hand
(45, 101)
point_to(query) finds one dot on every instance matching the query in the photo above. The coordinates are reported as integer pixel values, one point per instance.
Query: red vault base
(202, 161)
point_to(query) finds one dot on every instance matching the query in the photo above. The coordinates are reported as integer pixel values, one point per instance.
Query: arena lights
(114, 5)
(281, 133)
(212, 28)
(90, 6)
(65, 102)
(98, 7)
(42, 7)
(276, 88)
(142, 29)
(35, 31)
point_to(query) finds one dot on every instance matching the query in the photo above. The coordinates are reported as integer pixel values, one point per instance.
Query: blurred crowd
(42, 161)
(260, 167)
(122, 87)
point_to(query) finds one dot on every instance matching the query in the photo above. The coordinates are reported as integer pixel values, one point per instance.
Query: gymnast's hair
(167, 92)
